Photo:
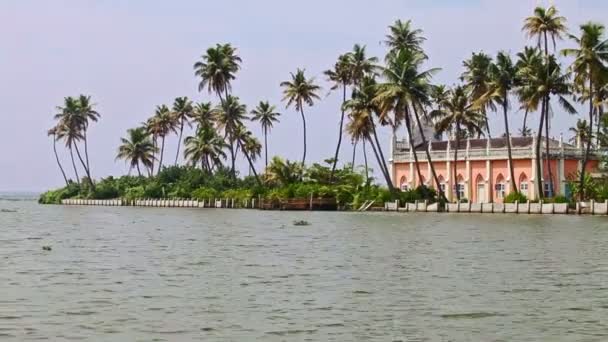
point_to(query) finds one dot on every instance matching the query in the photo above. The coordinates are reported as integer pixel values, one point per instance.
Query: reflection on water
(126, 274)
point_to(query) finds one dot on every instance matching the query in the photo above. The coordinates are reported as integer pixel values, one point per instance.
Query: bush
(135, 193)
(204, 193)
(560, 199)
(516, 197)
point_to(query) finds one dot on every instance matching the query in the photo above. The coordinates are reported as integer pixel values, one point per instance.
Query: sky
(131, 56)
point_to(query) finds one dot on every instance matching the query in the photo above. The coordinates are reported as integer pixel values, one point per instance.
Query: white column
(488, 182)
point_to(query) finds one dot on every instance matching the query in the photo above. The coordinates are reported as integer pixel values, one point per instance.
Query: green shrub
(560, 199)
(204, 193)
(516, 197)
(135, 193)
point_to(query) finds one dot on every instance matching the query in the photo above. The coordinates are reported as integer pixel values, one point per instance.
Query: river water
(143, 274)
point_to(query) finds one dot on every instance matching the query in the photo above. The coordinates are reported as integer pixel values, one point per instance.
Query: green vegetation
(516, 197)
(376, 94)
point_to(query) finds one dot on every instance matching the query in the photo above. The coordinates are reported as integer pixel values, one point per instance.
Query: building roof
(516, 142)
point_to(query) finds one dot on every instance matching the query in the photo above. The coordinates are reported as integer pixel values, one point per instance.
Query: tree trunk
(179, 142)
(487, 124)
(58, 162)
(162, 152)
(589, 141)
(138, 170)
(408, 127)
(547, 147)
(428, 154)
(352, 164)
(232, 157)
(266, 146)
(511, 169)
(524, 128)
(539, 139)
(155, 144)
(86, 170)
(86, 149)
(74, 165)
(333, 168)
(600, 115)
(366, 166)
(251, 167)
(389, 182)
(455, 167)
(304, 126)
(381, 161)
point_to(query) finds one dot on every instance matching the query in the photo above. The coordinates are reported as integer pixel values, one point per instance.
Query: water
(143, 274)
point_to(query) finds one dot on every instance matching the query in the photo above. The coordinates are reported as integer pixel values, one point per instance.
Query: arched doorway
(523, 184)
(499, 189)
(459, 188)
(480, 189)
(442, 184)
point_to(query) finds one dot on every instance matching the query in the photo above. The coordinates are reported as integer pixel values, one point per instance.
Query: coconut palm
(300, 91)
(205, 147)
(137, 149)
(228, 117)
(70, 129)
(460, 115)
(501, 83)
(341, 77)
(217, 69)
(267, 116)
(589, 70)
(283, 172)
(580, 134)
(183, 110)
(537, 86)
(403, 36)
(545, 24)
(159, 126)
(406, 91)
(250, 147)
(53, 133)
(88, 114)
(362, 107)
(477, 78)
(528, 60)
(203, 115)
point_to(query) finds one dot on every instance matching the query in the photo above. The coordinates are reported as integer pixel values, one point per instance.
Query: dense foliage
(281, 181)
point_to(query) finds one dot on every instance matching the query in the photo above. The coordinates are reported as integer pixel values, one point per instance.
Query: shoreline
(528, 208)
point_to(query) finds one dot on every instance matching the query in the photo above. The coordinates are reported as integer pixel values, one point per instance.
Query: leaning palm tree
(341, 76)
(205, 147)
(70, 129)
(266, 115)
(182, 112)
(53, 133)
(137, 149)
(528, 60)
(477, 78)
(228, 117)
(217, 69)
(300, 91)
(406, 92)
(589, 70)
(459, 115)
(249, 146)
(501, 83)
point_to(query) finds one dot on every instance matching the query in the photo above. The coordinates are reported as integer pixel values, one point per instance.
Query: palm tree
(70, 129)
(458, 114)
(300, 91)
(501, 83)
(88, 114)
(217, 69)
(205, 147)
(477, 78)
(250, 147)
(581, 134)
(283, 172)
(203, 114)
(161, 125)
(527, 61)
(545, 24)
(341, 76)
(266, 115)
(537, 86)
(403, 36)
(589, 69)
(182, 112)
(137, 149)
(406, 92)
(228, 117)
(53, 133)
(362, 107)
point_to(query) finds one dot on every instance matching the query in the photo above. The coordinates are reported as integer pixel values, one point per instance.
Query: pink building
(482, 169)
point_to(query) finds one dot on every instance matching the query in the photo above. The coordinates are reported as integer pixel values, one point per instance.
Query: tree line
(399, 91)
